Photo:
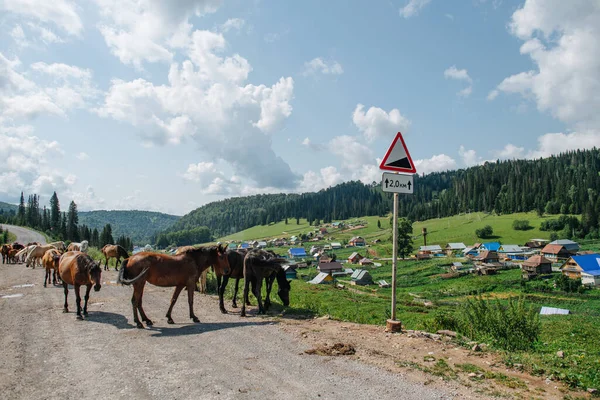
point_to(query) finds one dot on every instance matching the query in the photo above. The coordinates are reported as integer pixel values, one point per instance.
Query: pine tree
(63, 227)
(72, 222)
(95, 238)
(54, 214)
(45, 220)
(21, 212)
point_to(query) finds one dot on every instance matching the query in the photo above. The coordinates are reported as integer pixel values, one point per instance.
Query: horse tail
(124, 281)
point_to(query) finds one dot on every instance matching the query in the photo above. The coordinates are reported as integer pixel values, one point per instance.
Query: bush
(521, 225)
(569, 285)
(485, 232)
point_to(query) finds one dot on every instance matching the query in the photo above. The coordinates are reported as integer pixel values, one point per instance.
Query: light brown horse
(77, 268)
(4, 250)
(116, 251)
(36, 253)
(74, 246)
(181, 271)
(60, 245)
(50, 262)
(12, 256)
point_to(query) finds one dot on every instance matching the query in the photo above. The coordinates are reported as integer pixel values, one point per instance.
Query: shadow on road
(121, 322)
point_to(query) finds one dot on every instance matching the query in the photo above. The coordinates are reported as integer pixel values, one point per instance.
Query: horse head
(222, 265)
(284, 291)
(95, 273)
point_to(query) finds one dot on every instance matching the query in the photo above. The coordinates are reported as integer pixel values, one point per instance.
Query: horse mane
(89, 264)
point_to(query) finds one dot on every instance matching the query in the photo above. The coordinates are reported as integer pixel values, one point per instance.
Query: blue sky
(146, 104)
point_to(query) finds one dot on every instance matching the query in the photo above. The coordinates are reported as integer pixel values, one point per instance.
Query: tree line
(60, 225)
(567, 183)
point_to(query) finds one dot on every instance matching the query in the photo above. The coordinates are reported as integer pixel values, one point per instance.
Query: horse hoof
(79, 317)
(195, 319)
(149, 323)
(139, 325)
(85, 313)
(234, 305)
(223, 311)
(170, 321)
(65, 310)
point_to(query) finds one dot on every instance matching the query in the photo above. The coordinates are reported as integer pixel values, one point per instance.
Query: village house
(512, 252)
(290, 271)
(361, 277)
(535, 266)
(243, 246)
(434, 250)
(569, 245)
(454, 248)
(537, 243)
(330, 267)
(490, 246)
(586, 267)
(354, 258)
(357, 241)
(321, 278)
(262, 244)
(323, 230)
(555, 252)
(365, 261)
(487, 256)
(297, 252)
(336, 245)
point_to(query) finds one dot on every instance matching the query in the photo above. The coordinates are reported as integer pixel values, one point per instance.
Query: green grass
(269, 231)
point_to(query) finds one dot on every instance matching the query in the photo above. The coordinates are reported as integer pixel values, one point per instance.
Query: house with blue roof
(297, 252)
(586, 267)
(490, 246)
(243, 246)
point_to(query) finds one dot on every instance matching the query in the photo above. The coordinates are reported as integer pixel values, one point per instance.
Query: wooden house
(290, 271)
(490, 246)
(537, 243)
(357, 241)
(365, 261)
(336, 245)
(297, 252)
(330, 267)
(321, 278)
(535, 266)
(361, 277)
(569, 245)
(487, 256)
(452, 249)
(354, 258)
(555, 252)
(586, 267)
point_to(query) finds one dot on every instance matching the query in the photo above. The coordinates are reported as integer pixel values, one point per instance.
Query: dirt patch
(338, 349)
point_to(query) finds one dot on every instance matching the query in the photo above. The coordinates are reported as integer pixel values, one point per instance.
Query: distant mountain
(140, 226)
(6, 207)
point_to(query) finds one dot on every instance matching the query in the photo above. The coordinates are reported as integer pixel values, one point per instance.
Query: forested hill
(8, 208)
(567, 183)
(140, 226)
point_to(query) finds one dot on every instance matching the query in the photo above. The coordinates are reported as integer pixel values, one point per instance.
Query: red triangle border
(382, 165)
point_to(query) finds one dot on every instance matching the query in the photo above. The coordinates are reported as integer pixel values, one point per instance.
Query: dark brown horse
(181, 271)
(260, 265)
(50, 261)
(4, 250)
(77, 268)
(18, 246)
(116, 251)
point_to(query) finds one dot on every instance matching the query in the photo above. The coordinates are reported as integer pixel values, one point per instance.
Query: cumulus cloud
(469, 157)
(376, 123)
(62, 14)
(413, 7)
(326, 177)
(437, 163)
(206, 99)
(461, 75)
(562, 39)
(138, 31)
(311, 145)
(556, 143)
(318, 65)
(512, 152)
(231, 24)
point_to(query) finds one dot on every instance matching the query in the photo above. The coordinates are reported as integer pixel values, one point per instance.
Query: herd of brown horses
(71, 266)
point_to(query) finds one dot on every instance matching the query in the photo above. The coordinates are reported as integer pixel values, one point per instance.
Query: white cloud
(138, 31)
(563, 41)
(350, 151)
(469, 157)
(313, 146)
(437, 163)
(82, 156)
(461, 75)
(376, 123)
(318, 65)
(413, 7)
(511, 152)
(61, 13)
(324, 178)
(18, 35)
(492, 95)
(208, 100)
(232, 23)
(556, 143)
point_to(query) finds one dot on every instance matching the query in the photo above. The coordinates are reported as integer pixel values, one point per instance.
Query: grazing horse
(19, 246)
(77, 268)
(116, 251)
(50, 261)
(258, 265)
(12, 256)
(83, 246)
(36, 253)
(4, 250)
(181, 271)
(236, 268)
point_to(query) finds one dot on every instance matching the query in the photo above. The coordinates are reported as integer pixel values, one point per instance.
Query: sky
(166, 106)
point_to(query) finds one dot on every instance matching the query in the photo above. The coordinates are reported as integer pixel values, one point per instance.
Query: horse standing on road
(116, 251)
(77, 269)
(83, 246)
(181, 271)
(50, 262)
(4, 250)
(35, 254)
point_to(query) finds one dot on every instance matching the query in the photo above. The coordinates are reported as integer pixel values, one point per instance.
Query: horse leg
(136, 298)
(190, 290)
(270, 280)
(86, 298)
(178, 290)
(46, 277)
(235, 293)
(246, 287)
(66, 290)
(143, 314)
(117, 263)
(222, 285)
(105, 262)
(78, 300)
(257, 293)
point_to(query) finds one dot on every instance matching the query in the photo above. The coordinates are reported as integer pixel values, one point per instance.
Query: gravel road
(50, 355)
(25, 235)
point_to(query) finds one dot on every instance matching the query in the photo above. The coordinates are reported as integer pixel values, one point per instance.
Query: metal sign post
(395, 256)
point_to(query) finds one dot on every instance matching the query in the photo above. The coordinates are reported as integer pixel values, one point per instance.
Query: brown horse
(83, 246)
(260, 265)
(4, 250)
(77, 268)
(181, 271)
(116, 251)
(12, 256)
(50, 262)
(36, 253)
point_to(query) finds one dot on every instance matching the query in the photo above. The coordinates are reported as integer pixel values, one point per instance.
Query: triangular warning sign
(397, 157)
